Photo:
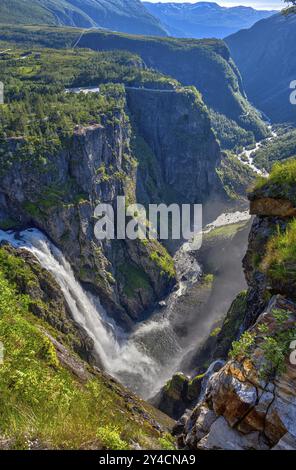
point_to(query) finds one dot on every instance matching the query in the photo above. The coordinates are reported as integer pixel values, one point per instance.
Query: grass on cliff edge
(281, 181)
(43, 404)
(280, 259)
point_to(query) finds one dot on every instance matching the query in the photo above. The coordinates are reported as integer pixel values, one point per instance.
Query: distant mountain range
(204, 19)
(265, 55)
(128, 16)
(196, 20)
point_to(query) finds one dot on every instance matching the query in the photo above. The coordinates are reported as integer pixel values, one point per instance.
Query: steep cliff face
(250, 402)
(60, 198)
(97, 163)
(186, 152)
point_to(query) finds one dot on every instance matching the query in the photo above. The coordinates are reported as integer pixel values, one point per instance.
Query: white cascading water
(144, 360)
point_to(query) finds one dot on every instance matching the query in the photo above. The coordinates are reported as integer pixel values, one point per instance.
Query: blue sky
(258, 4)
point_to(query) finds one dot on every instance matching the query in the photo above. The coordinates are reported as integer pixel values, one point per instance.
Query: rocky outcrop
(273, 214)
(178, 394)
(250, 403)
(272, 207)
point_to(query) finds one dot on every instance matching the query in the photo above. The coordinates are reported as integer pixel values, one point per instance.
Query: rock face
(273, 214)
(178, 394)
(97, 164)
(182, 141)
(248, 403)
(251, 402)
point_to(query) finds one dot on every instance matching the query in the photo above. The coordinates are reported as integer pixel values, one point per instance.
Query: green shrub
(242, 347)
(110, 438)
(164, 261)
(167, 442)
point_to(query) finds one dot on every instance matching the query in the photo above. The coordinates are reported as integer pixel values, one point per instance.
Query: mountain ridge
(204, 19)
(265, 55)
(120, 15)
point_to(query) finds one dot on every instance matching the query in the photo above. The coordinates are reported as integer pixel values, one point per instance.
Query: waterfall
(147, 358)
(144, 360)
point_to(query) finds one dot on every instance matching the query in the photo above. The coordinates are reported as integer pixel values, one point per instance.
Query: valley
(132, 344)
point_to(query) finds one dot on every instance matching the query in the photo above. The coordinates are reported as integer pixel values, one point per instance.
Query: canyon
(179, 340)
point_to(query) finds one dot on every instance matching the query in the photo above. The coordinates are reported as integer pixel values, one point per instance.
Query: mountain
(205, 64)
(118, 15)
(265, 55)
(78, 315)
(204, 19)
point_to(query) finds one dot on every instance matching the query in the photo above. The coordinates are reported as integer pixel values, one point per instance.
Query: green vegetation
(42, 403)
(130, 15)
(176, 383)
(110, 437)
(279, 149)
(231, 325)
(215, 331)
(134, 279)
(165, 55)
(279, 261)
(243, 347)
(274, 341)
(25, 12)
(36, 102)
(229, 133)
(167, 442)
(208, 279)
(235, 176)
(224, 232)
(39, 117)
(281, 181)
(276, 344)
(163, 261)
